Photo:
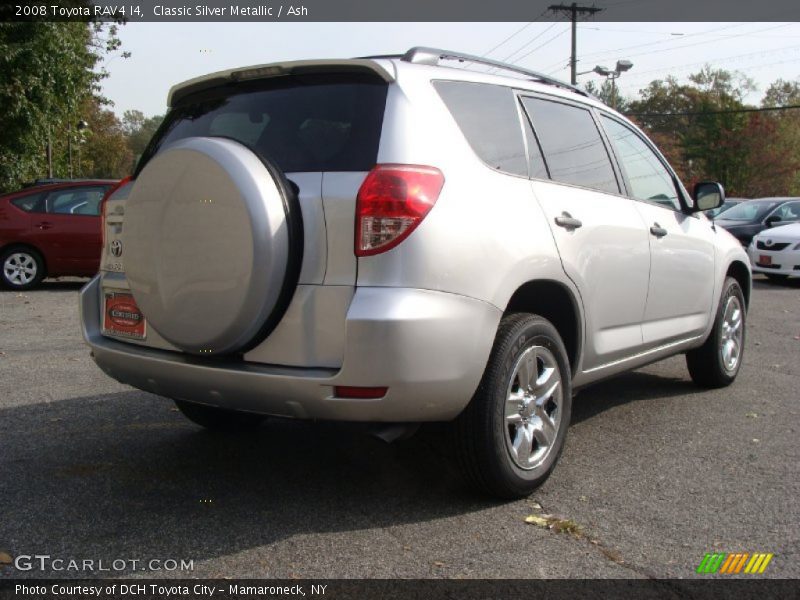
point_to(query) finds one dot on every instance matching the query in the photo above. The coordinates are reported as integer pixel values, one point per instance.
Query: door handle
(658, 231)
(44, 225)
(567, 221)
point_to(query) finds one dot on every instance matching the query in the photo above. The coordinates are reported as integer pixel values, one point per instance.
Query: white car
(776, 252)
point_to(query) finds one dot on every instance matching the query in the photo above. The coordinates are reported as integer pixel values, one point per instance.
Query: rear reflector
(391, 202)
(346, 391)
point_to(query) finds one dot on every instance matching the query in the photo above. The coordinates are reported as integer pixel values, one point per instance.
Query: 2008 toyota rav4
(390, 240)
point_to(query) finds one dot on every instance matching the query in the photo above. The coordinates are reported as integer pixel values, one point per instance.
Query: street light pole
(613, 75)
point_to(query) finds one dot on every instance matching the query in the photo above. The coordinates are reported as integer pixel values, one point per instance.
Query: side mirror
(771, 220)
(708, 195)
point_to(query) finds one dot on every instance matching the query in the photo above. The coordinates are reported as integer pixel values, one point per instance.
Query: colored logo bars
(741, 562)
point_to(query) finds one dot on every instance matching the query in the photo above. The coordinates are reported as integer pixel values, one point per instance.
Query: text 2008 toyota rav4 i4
(389, 240)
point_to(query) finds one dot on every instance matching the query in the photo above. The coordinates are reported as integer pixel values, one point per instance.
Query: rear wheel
(21, 268)
(219, 419)
(510, 436)
(716, 363)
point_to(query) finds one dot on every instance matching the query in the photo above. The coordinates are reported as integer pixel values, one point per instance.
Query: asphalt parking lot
(655, 473)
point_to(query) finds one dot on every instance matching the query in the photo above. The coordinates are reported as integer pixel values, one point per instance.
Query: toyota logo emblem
(768, 243)
(116, 248)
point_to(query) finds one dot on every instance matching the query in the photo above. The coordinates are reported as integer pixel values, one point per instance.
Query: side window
(76, 201)
(29, 203)
(572, 146)
(788, 212)
(487, 116)
(647, 176)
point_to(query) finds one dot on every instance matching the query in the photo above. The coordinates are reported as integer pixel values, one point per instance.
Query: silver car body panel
(421, 318)
(414, 342)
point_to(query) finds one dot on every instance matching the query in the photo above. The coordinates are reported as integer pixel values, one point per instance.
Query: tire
(503, 448)
(716, 363)
(21, 268)
(219, 419)
(776, 278)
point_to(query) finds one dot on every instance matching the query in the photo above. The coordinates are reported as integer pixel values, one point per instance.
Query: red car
(50, 231)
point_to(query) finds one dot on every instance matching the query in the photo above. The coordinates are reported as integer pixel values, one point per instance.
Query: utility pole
(574, 10)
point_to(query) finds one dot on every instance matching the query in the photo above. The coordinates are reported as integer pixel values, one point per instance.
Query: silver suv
(390, 240)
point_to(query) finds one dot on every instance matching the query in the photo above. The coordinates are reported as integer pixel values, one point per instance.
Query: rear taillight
(103, 203)
(391, 202)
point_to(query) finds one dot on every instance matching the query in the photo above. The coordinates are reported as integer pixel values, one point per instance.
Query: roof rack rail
(432, 56)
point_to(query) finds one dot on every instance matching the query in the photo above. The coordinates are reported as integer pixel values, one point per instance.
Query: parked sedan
(50, 230)
(729, 203)
(776, 252)
(749, 218)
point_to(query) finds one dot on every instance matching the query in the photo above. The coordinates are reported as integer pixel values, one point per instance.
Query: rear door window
(488, 117)
(328, 122)
(76, 201)
(573, 149)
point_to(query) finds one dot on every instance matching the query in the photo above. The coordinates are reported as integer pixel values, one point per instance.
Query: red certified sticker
(765, 260)
(123, 318)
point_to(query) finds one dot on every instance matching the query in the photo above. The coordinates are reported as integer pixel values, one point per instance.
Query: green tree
(47, 73)
(608, 94)
(703, 123)
(104, 151)
(139, 129)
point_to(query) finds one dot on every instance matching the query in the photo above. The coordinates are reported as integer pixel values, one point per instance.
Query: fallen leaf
(583, 499)
(536, 506)
(752, 415)
(5, 558)
(756, 440)
(438, 563)
(538, 521)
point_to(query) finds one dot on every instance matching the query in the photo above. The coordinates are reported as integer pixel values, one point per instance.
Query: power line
(715, 112)
(530, 41)
(739, 70)
(707, 31)
(517, 32)
(703, 42)
(640, 74)
(542, 45)
(520, 30)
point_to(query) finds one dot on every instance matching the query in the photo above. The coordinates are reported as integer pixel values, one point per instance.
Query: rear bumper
(429, 348)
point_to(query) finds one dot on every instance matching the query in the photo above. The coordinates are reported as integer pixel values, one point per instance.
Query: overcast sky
(167, 53)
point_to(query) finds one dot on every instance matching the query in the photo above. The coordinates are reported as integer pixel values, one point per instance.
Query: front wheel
(511, 434)
(716, 363)
(219, 419)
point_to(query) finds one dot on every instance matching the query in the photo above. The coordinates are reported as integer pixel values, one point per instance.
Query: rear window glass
(487, 116)
(304, 123)
(29, 203)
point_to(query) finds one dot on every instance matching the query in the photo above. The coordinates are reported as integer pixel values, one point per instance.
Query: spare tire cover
(207, 244)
